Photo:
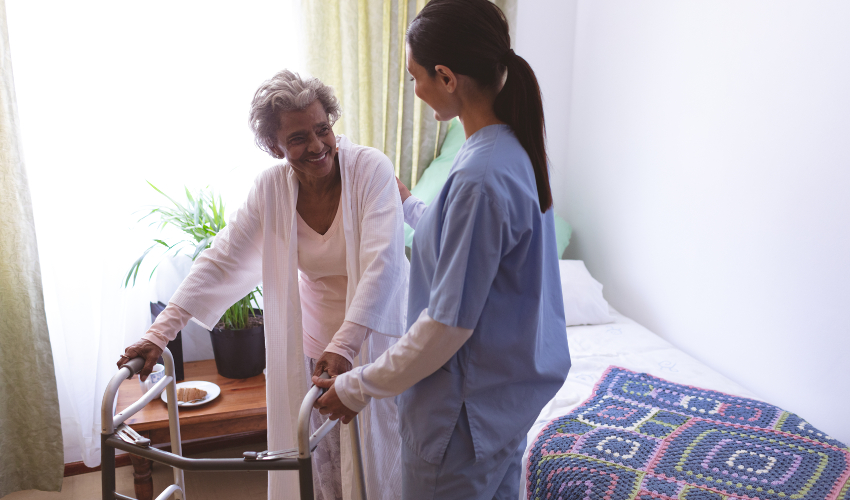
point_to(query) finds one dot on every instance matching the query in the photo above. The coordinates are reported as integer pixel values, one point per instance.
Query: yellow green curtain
(31, 453)
(357, 47)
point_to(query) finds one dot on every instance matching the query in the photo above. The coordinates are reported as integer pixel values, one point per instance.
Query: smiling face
(436, 90)
(305, 138)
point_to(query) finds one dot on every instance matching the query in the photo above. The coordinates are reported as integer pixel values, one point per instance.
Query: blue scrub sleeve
(472, 240)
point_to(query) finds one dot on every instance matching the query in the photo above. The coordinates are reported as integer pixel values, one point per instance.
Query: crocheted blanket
(641, 437)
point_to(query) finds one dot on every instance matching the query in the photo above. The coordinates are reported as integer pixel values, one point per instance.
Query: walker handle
(135, 365)
(306, 444)
(313, 394)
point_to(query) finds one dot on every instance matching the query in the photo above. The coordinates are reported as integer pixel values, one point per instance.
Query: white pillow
(583, 300)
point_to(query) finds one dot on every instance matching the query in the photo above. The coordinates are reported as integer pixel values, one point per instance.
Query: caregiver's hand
(329, 403)
(145, 349)
(402, 190)
(332, 363)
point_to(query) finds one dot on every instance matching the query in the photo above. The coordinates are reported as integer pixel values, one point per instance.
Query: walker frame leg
(107, 469)
(305, 478)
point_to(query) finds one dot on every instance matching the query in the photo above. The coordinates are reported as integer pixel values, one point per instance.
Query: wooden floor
(199, 485)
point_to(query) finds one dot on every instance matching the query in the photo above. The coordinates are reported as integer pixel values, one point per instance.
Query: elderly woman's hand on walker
(330, 404)
(141, 349)
(332, 363)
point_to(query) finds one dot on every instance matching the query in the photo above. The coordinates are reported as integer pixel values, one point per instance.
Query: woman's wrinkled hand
(144, 349)
(330, 404)
(332, 363)
(402, 190)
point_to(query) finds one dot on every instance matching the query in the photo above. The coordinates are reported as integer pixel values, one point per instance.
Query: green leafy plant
(199, 219)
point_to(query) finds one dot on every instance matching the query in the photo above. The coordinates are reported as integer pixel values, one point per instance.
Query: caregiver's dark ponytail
(471, 38)
(519, 105)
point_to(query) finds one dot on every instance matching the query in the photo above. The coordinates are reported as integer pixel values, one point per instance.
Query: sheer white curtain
(112, 94)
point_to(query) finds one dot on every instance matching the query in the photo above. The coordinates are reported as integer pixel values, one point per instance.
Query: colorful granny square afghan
(640, 437)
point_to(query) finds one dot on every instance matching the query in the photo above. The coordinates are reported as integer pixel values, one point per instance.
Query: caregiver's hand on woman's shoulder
(144, 349)
(330, 404)
(332, 363)
(402, 190)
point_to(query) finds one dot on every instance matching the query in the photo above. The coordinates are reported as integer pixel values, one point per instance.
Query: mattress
(626, 344)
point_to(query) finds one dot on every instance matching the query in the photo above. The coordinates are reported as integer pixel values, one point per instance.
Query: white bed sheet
(629, 345)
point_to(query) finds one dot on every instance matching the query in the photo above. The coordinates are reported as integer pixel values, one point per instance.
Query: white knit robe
(260, 243)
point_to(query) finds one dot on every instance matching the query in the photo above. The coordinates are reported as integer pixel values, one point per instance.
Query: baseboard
(190, 447)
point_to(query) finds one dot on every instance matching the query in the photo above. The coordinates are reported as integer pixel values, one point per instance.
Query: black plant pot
(239, 353)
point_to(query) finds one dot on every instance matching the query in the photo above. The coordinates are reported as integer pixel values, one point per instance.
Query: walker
(117, 435)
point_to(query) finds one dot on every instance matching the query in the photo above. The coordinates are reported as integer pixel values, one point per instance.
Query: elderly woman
(323, 232)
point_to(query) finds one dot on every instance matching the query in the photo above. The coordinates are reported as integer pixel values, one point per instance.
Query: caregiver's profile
(323, 231)
(486, 346)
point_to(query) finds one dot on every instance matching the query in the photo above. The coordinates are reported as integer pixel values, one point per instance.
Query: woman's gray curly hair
(287, 91)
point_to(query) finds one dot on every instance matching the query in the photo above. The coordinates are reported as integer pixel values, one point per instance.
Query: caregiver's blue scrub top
(484, 258)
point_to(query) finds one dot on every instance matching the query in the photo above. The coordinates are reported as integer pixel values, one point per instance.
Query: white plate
(212, 392)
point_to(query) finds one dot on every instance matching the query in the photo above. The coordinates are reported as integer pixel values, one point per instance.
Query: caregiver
(332, 212)
(486, 347)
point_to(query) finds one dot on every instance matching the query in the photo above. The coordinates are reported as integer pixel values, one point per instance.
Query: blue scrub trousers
(459, 476)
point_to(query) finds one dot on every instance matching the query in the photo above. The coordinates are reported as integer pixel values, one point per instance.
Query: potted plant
(238, 339)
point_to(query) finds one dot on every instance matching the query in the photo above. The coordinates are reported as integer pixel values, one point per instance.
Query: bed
(624, 343)
(627, 344)
(600, 353)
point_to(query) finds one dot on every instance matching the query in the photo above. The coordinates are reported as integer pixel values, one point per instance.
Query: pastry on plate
(190, 394)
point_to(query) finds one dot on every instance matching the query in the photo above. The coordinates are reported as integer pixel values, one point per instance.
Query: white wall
(545, 37)
(703, 158)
